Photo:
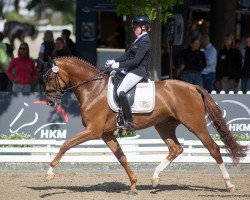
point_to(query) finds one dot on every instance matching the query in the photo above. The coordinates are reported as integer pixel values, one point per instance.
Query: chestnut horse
(176, 102)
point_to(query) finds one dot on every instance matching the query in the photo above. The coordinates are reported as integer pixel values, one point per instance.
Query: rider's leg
(126, 110)
(128, 82)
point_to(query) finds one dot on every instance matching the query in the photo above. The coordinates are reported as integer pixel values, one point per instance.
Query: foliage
(17, 136)
(240, 137)
(45, 9)
(15, 16)
(152, 8)
(128, 134)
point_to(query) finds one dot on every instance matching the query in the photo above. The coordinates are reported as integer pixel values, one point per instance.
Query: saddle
(141, 97)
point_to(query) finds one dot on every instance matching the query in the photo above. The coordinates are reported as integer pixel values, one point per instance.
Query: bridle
(58, 92)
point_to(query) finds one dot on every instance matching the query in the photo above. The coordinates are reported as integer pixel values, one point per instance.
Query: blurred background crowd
(28, 38)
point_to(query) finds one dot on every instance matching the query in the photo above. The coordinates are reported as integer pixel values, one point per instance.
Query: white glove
(109, 63)
(115, 65)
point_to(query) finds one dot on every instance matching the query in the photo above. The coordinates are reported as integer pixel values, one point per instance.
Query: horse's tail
(236, 151)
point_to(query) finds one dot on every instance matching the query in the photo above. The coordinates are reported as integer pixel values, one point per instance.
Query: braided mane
(79, 60)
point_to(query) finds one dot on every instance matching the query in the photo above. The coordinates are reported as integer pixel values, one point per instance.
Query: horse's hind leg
(200, 130)
(114, 146)
(214, 150)
(167, 133)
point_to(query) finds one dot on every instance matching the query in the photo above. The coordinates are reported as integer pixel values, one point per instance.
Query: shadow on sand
(117, 187)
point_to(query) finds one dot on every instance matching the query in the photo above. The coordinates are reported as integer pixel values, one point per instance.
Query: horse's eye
(47, 79)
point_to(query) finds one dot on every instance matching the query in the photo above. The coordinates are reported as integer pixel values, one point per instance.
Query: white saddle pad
(144, 101)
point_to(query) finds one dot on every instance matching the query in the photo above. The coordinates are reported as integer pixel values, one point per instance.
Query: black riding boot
(126, 110)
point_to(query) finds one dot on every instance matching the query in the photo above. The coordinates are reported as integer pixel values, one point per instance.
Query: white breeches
(129, 81)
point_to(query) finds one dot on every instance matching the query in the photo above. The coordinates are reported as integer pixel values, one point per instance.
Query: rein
(93, 78)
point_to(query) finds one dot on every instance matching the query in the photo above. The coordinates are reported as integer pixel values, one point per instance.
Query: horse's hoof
(49, 177)
(132, 192)
(231, 189)
(155, 182)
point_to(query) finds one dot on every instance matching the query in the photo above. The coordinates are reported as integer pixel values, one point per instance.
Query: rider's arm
(123, 57)
(142, 50)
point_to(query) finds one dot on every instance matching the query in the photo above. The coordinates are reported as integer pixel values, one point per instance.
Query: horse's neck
(84, 73)
(86, 76)
(92, 90)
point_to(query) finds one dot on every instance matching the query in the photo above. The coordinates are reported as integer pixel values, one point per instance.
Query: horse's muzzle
(51, 103)
(53, 99)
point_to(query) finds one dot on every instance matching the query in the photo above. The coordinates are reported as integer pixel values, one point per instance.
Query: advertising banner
(29, 114)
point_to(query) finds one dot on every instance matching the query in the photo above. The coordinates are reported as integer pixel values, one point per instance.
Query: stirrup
(126, 126)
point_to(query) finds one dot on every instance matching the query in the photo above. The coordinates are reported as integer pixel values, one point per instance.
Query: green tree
(158, 11)
(66, 7)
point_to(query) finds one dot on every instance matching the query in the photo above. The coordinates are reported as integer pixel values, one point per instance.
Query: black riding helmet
(141, 20)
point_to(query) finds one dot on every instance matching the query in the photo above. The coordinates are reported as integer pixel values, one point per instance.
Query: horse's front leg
(79, 138)
(114, 146)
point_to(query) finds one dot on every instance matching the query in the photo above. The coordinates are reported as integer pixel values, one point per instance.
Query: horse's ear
(40, 61)
(50, 61)
(46, 67)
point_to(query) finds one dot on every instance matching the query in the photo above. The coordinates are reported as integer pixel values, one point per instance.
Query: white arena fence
(136, 150)
(230, 92)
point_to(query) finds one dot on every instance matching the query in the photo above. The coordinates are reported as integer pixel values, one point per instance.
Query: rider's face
(137, 30)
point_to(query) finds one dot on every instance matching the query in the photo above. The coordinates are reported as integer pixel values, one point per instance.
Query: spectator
(22, 70)
(6, 54)
(70, 44)
(229, 64)
(245, 77)
(238, 45)
(191, 62)
(45, 52)
(208, 73)
(60, 48)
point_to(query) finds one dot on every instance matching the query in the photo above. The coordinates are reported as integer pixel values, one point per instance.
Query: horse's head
(56, 80)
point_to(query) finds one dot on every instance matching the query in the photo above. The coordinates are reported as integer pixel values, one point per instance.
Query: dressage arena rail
(136, 150)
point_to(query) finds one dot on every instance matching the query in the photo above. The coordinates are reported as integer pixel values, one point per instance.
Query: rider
(134, 63)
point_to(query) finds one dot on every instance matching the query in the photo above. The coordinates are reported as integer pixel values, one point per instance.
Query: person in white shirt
(208, 73)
